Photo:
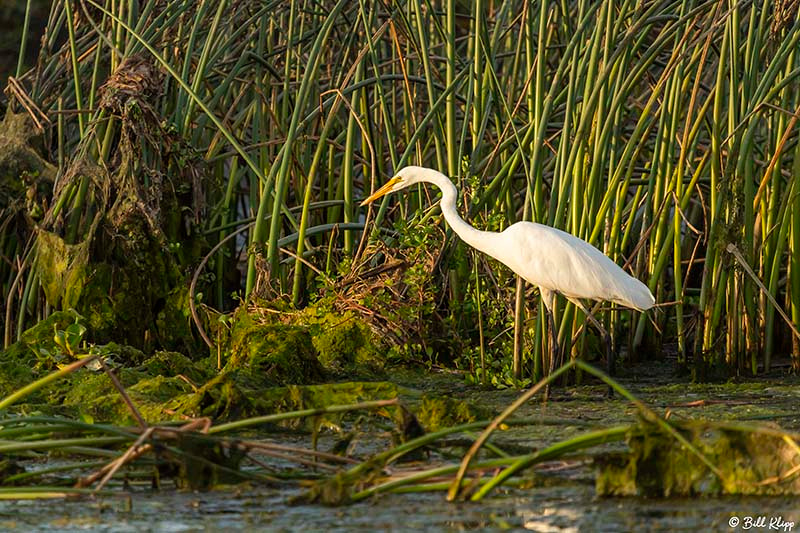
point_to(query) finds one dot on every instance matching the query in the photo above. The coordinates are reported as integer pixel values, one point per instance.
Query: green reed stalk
(286, 152)
(23, 45)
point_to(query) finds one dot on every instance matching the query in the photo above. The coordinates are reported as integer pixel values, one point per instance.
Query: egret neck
(478, 239)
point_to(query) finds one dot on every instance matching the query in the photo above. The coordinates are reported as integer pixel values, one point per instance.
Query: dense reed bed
(662, 132)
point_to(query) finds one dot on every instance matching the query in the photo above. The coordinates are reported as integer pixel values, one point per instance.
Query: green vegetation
(271, 367)
(751, 458)
(661, 132)
(181, 242)
(666, 457)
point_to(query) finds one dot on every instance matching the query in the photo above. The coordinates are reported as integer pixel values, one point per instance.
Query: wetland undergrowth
(146, 134)
(182, 258)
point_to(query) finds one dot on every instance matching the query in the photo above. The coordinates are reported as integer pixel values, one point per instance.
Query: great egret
(551, 259)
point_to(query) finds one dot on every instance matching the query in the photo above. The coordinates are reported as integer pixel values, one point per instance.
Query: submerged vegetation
(370, 457)
(183, 262)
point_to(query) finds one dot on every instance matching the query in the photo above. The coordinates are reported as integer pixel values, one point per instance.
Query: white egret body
(551, 259)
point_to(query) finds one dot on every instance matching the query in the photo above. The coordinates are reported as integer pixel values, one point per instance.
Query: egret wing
(560, 262)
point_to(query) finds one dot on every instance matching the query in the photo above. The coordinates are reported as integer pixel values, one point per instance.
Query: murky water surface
(566, 504)
(570, 508)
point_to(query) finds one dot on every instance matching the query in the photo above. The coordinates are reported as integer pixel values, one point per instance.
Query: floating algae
(748, 460)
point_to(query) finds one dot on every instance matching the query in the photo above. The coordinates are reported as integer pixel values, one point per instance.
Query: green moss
(93, 395)
(344, 342)
(269, 365)
(121, 353)
(14, 374)
(275, 354)
(293, 398)
(172, 364)
(158, 389)
(229, 396)
(437, 412)
(660, 466)
(221, 399)
(85, 387)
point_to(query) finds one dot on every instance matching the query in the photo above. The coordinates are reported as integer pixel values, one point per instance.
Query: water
(565, 503)
(559, 509)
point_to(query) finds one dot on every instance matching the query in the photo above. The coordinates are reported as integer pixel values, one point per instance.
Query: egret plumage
(553, 260)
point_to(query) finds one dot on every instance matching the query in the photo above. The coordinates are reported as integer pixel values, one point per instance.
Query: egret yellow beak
(382, 191)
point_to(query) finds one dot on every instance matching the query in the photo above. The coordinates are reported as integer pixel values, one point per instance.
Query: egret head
(405, 177)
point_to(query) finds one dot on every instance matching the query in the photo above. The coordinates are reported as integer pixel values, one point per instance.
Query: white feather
(547, 257)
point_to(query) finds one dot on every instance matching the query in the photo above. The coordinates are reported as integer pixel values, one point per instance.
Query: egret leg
(548, 299)
(551, 325)
(610, 355)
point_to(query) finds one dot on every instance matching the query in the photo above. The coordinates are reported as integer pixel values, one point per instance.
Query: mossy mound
(121, 353)
(174, 364)
(342, 344)
(750, 462)
(92, 395)
(221, 398)
(230, 395)
(345, 343)
(274, 353)
(85, 387)
(271, 367)
(295, 398)
(150, 397)
(150, 381)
